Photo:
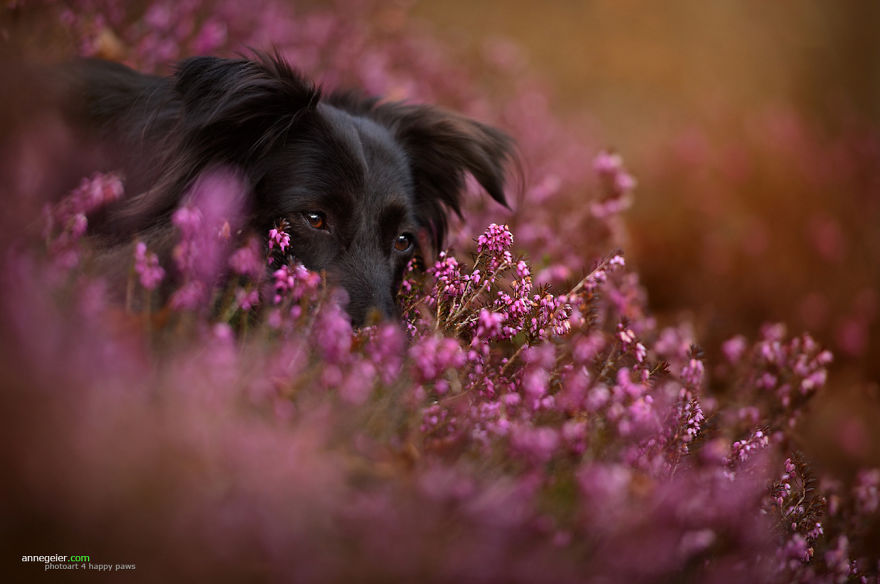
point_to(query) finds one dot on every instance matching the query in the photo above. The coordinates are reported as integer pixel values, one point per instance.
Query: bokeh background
(753, 129)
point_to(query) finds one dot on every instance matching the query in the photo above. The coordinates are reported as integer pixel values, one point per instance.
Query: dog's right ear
(235, 109)
(442, 147)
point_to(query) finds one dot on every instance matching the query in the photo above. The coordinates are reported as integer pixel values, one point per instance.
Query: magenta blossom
(146, 264)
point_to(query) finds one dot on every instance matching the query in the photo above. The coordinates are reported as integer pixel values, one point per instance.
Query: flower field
(529, 420)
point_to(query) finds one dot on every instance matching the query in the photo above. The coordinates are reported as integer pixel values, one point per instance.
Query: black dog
(357, 179)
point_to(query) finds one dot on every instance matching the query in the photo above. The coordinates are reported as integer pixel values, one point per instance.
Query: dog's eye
(404, 242)
(315, 219)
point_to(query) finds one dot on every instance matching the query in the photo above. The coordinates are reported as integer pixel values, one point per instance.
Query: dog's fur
(379, 175)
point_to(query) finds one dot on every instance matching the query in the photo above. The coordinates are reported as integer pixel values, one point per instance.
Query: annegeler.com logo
(75, 562)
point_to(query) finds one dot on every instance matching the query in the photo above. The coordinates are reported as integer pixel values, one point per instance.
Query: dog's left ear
(442, 148)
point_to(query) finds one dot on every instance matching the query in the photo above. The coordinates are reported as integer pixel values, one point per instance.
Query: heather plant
(527, 420)
(754, 206)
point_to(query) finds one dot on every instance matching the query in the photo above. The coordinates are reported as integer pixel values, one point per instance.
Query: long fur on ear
(238, 108)
(220, 112)
(442, 147)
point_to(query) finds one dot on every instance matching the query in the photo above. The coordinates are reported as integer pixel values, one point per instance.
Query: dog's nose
(368, 316)
(375, 316)
(366, 309)
(365, 277)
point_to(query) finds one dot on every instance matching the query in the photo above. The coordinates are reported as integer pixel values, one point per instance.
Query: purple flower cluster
(65, 222)
(146, 264)
(617, 184)
(781, 375)
(278, 237)
(512, 428)
(248, 259)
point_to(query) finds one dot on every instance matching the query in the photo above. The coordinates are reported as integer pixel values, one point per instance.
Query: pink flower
(497, 238)
(215, 200)
(294, 282)
(146, 265)
(246, 260)
(247, 299)
(333, 334)
(607, 163)
(734, 348)
(433, 355)
(692, 373)
(867, 490)
(190, 296)
(743, 450)
(279, 238)
(489, 325)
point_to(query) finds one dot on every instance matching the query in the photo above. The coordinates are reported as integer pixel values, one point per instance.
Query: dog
(363, 184)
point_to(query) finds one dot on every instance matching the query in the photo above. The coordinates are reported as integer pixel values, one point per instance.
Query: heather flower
(284, 280)
(92, 194)
(450, 282)
(535, 382)
(551, 317)
(629, 343)
(214, 200)
(599, 275)
(743, 450)
(279, 238)
(537, 444)
(211, 36)
(684, 424)
(188, 220)
(514, 311)
(186, 254)
(838, 560)
(333, 334)
(606, 486)
(497, 239)
(574, 433)
(247, 260)
(611, 207)
(587, 348)
(432, 356)
(552, 426)
(798, 549)
(190, 296)
(358, 383)
(867, 491)
(607, 163)
(294, 282)
(493, 247)
(617, 185)
(693, 371)
(438, 423)
(66, 222)
(624, 182)
(488, 325)
(598, 398)
(692, 418)
(695, 542)
(247, 299)
(78, 225)
(146, 265)
(525, 275)
(734, 348)
(385, 348)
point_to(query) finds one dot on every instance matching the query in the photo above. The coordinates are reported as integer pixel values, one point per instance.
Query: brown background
(726, 78)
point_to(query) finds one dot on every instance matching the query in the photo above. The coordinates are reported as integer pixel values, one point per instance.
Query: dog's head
(360, 182)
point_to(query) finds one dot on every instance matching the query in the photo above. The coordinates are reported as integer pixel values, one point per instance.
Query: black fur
(374, 170)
